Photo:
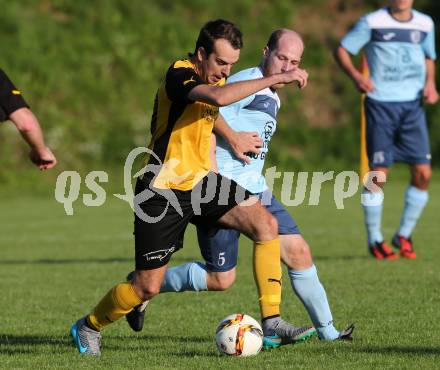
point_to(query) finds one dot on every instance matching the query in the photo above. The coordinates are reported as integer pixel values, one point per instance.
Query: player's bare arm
(29, 128)
(233, 92)
(363, 83)
(430, 91)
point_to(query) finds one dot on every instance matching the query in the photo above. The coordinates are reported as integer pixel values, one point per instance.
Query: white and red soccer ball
(239, 335)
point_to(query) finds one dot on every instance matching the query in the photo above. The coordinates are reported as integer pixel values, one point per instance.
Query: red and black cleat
(405, 246)
(381, 251)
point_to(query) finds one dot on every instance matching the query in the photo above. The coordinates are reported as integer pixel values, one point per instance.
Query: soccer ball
(239, 335)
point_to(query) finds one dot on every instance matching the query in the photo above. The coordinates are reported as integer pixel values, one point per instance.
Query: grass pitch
(54, 268)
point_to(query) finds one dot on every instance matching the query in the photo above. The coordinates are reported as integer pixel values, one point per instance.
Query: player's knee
(425, 176)
(146, 288)
(220, 281)
(148, 292)
(266, 227)
(421, 177)
(297, 255)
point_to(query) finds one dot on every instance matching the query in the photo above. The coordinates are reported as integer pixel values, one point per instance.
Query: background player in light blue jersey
(398, 42)
(257, 113)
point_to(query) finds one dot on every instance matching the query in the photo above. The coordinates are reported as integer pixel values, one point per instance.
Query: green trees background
(90, 69)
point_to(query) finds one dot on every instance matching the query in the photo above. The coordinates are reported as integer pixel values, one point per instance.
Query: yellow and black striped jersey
(181, 129)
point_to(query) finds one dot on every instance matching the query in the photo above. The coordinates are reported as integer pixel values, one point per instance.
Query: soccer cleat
(381, 251)
(285, 333)
(136, 317)
(347, 333)
(405, 246)
(87, 340)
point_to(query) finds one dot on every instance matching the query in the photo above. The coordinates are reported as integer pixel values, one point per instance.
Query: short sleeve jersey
(181, 130)
(10, 97)
(258, 112)
(395, 51)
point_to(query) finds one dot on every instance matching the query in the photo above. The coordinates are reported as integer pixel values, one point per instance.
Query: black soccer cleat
(136, 317)
(347, 333)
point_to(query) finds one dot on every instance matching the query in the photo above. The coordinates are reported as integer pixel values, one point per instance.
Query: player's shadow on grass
(71, 261)
(402, 350)
(11, 344)
(168, 341)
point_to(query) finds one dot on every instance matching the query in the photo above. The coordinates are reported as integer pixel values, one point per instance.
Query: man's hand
(299, 75)
(43, 159)
(244, 142)
(363, 83)
(430, 93)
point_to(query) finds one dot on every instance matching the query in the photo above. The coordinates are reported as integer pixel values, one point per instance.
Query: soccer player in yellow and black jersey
(178, 188)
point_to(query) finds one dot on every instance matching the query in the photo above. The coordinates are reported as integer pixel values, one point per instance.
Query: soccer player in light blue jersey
(257, 115)
(398, 43)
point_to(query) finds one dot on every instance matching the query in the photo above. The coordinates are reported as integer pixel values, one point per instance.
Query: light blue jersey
(258, 113)
(396, 53)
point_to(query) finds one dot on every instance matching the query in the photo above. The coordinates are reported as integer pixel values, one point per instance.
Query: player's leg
(414, 149)
(260, 226)
(217, 273)
(118, 302)
(220, 201)
(305, 282)
(155, 242)
(382, 122)
(303, 275)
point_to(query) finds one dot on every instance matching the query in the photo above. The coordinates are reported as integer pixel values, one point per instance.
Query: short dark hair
(218, 29)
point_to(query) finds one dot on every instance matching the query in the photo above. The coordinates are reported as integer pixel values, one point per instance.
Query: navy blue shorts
(220, 251)
(396, 132)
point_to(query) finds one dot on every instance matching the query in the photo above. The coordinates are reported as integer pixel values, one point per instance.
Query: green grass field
(54, 268)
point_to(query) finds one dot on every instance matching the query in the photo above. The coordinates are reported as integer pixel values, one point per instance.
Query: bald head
(282, 53)
(284, 35)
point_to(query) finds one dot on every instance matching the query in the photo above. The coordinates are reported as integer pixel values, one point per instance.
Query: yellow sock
(267, 274)
(119, 301)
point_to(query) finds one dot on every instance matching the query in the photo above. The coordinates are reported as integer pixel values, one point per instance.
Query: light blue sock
(415, 201)
(372, 203)
(310, 291)
(189, 276)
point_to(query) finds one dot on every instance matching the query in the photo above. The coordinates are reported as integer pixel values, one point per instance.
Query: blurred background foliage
(90, 69)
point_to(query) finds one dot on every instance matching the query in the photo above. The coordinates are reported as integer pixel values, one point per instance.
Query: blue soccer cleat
(87, 340)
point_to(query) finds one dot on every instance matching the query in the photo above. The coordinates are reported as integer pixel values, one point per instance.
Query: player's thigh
(382, 122)
(413, 140)
(252, 219)
(219, 250)
(158, 228)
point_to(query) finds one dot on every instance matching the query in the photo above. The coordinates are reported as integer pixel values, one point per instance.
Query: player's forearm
(29, 128)
(343, 58)
(430, 71)
(233, 92)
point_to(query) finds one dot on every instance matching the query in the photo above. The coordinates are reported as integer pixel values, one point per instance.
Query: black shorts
(161, 216)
